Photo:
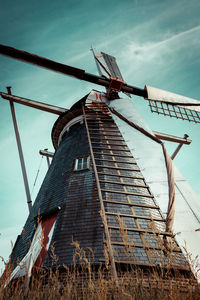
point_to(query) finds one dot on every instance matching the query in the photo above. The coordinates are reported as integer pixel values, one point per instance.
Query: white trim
(93, 97)
(79, 119)
(74, 121)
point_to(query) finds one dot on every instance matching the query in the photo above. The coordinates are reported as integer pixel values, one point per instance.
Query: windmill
(110, 173)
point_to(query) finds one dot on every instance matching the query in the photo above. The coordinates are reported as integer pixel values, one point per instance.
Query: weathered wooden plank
(127, 193)
(134, 216)
(131, 204)
(144, 230)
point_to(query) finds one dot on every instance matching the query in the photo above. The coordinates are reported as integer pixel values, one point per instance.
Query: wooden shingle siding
(75, 193)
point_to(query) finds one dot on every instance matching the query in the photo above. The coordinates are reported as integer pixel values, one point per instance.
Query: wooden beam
(111, 149)
(46, 153)
(117, 155)
(143, 230)
(103, 215)
(103, 134)
(65, 69)
(131, 262)
(35, 104)
(21, 156)
(131, 204)
(131, 244)
(116, 161)
(124, 176)
(118, 168)
(127, 193)
(107, 139)
(134, 216)
(171, 138)
(101, 129)
(124, 183)
(109, 144)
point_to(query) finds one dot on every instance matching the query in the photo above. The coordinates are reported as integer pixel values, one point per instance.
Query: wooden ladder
(134, 226)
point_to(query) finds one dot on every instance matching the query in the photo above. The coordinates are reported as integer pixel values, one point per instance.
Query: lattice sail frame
(174, 111)
(173, 105)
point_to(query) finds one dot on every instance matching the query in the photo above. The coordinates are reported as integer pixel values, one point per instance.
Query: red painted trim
(47, 224)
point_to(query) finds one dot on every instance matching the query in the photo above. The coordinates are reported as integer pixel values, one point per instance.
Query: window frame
(79, 163)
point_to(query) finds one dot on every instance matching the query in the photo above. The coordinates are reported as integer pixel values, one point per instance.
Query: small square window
(82, 163)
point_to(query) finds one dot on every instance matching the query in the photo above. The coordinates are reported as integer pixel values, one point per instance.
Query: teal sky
(155, 42)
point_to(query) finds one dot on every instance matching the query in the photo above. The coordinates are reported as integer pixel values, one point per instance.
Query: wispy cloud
(152, 48)
(149, 58)
(181, 36)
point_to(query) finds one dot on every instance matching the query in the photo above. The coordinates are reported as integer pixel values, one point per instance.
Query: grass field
(85, 281)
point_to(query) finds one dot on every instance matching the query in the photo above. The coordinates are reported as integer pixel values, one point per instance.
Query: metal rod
(28, 196)
(192, 210)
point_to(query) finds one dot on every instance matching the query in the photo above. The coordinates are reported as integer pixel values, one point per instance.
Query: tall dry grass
(87, 281)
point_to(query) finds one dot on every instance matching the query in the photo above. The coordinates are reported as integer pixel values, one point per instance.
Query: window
(82, 163)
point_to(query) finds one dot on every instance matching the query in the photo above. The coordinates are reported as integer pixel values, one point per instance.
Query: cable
(193, 230)
(36, 177)
(193, 212)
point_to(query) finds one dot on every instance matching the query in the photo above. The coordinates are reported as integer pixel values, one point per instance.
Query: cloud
(150, 50)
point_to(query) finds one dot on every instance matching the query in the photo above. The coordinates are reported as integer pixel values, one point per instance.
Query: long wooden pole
(21, 157)
(35, 104)
(65, 69)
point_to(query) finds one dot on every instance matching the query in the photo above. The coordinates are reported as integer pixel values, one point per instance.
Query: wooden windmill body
(107, 187)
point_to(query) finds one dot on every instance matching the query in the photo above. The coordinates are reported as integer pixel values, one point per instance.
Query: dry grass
(86, 281)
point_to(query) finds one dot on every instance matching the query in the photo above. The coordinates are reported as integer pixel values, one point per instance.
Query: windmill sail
(112, 66)
(150, 159)
(173, 105)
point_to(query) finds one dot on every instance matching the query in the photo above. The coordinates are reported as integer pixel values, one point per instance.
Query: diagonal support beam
(179, 147)
(47, 154)
(28, 196)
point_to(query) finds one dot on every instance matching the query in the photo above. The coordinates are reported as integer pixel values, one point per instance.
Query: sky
(155, 42)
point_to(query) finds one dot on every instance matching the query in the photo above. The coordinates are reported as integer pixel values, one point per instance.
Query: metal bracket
(115, 86)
